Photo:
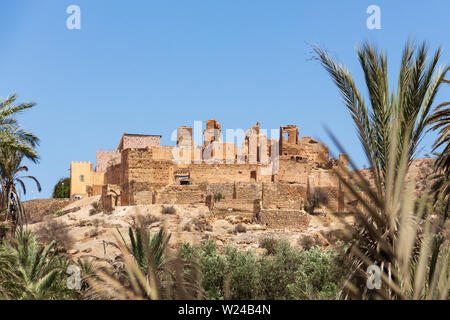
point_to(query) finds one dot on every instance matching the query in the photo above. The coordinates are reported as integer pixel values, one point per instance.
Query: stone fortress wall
(141, 171)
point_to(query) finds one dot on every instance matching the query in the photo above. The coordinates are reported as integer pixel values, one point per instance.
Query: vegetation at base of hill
(62, 189)
(145, 269)
(29, 270)
(283, 272)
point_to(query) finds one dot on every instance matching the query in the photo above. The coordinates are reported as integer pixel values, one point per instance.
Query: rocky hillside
(419, 171)
(38, 209)
(86, 232)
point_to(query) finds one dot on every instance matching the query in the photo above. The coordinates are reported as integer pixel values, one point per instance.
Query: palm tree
(10, 168)
(411, 104)
(440, 189)
(11, 135)
(390, 234)
(402, 241)
(146, 271)
(15, 144)
(140, 239)
(440, 120)
(35, 272)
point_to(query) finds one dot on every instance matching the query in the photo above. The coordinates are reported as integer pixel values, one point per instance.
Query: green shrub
(320, 275)
(283, 272)
(241, 277)
(277, 271)
(62, 188)
(218, 196)
(269, 244)
(30, 271)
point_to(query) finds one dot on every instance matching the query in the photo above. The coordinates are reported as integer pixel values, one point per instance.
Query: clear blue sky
(151, 66)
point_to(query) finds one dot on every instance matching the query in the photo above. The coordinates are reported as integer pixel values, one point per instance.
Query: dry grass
(54, 230)
(142, 220)
(96, 208)
(168, 210)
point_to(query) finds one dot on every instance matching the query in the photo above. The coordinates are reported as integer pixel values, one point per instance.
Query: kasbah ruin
(143, 172)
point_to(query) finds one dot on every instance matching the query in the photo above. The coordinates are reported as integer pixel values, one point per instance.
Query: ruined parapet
(110, 197)
(106, 158)
(288, 136)
(212, 132)
(184, 136)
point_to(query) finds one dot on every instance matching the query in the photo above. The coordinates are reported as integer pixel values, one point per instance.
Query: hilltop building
(262, 174)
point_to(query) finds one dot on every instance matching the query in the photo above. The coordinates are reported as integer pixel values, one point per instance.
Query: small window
(82, 178)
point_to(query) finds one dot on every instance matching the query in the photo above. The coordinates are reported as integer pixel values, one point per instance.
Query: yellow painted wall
(90, 178)
(81, 176)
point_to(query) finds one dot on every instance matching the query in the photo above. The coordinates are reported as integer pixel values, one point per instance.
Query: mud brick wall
(140, 172)
(283, 196)
(226, 189)
(96, 190)
(138, 165)
(323, 178)
(186, 194)
(248, 190)
(161, 152)
(143, 197)
(113, 174)
(293, 171)
(222, 173)
(285, 219)
(126, 196)
(241, 205)
(110, 197)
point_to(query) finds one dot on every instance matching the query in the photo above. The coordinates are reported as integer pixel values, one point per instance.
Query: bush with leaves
(29, 270)
(319, 276)
(283, 272)
(62, 189)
